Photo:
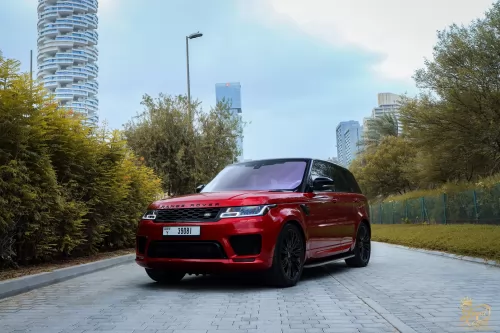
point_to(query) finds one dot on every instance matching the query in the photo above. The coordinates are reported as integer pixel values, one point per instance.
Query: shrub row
(65, 188)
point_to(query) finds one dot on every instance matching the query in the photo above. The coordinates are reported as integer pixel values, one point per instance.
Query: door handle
(335, 200)
(356, 200)
(322, 197)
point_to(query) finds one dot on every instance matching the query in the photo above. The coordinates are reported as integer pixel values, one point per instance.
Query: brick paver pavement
(400, 291)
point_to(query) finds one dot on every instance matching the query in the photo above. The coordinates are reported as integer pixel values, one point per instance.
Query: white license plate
(181, 231)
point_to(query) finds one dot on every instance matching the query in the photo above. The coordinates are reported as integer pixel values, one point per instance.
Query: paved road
(400, 291)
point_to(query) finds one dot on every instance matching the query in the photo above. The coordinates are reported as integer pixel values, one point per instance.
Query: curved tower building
(67, 53)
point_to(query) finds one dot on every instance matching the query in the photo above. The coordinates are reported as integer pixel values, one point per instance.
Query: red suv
(276, 216)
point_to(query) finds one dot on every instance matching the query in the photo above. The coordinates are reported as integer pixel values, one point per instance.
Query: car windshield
(259, 176)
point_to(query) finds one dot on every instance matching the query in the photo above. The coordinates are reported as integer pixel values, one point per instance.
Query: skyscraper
(349, 135)
(388, 103)
(231, 93)
(67, 53)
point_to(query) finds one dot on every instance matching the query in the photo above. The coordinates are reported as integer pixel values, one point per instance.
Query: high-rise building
(231, 93)
(67, 53)
(349, 136)
(388, 103)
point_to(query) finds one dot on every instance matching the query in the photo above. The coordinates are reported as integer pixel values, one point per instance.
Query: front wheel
(288, 260)
(165, 276)
(362, 249)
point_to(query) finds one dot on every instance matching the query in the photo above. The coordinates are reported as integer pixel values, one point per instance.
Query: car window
(351, 181)
(259, 176)
(324, 169)
(341, 184)
(320, 169)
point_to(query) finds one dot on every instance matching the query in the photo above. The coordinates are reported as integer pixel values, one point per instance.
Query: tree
(183, 151)
(218, 133)
(9, 72)
(455, 119)
(451, 128)
(379, 128)
(28, 188)
(387, 169)
(445, 154)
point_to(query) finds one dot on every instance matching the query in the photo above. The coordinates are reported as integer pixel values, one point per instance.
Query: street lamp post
(190, 114)
(192, 36)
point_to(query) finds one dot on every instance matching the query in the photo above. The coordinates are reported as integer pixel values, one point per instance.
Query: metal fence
(480, 206)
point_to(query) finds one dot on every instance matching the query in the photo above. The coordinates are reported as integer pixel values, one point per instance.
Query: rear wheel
(165, 276)
(362, 249)
(288, 260)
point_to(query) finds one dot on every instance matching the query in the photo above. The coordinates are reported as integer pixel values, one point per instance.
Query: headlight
(245, 211)
(150, 215)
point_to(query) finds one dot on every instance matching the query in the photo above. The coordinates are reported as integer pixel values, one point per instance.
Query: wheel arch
(300, 227)
(296, 222)
(296, 217)
(368, 224)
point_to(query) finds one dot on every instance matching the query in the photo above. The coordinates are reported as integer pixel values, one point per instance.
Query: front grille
(186, 250)
(188, 215)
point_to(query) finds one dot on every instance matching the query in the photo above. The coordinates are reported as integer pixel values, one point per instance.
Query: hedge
(66, 189)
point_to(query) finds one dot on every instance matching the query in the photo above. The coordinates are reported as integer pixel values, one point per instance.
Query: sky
(304, 66)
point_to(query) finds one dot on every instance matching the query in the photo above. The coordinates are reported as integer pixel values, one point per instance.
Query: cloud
(403, 32)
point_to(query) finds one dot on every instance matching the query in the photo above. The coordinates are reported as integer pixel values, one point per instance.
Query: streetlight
(190, 115)
(192, 36)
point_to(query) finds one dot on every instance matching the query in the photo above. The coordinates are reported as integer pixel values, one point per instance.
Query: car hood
(224, 199)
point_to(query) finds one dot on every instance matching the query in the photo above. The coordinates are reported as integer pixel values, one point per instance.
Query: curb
(24, 284)
(447, 255)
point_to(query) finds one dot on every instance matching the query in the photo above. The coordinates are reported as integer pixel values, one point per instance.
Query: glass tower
(231, 93)
(349, 134)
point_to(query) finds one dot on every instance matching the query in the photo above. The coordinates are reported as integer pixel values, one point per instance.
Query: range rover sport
(275, 216)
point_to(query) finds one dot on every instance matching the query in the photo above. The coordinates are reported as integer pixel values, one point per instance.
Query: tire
(288, 258)
(165, 276)
(362, 248)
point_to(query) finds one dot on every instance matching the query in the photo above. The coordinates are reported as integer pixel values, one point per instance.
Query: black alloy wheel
(289, 255)
(362, 249)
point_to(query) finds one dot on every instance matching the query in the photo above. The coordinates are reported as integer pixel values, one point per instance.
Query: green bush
(65, 189)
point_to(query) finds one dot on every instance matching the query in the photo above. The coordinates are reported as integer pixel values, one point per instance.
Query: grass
(482, 241)
(449, 188)
(48, 267)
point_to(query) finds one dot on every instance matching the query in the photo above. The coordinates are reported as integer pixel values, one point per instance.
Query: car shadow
(335, 268)
(240, 281)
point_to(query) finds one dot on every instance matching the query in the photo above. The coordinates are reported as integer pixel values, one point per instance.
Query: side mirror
(322, 184)
(199, 188)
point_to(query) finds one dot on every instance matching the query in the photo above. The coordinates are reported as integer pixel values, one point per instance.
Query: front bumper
(236, 244)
